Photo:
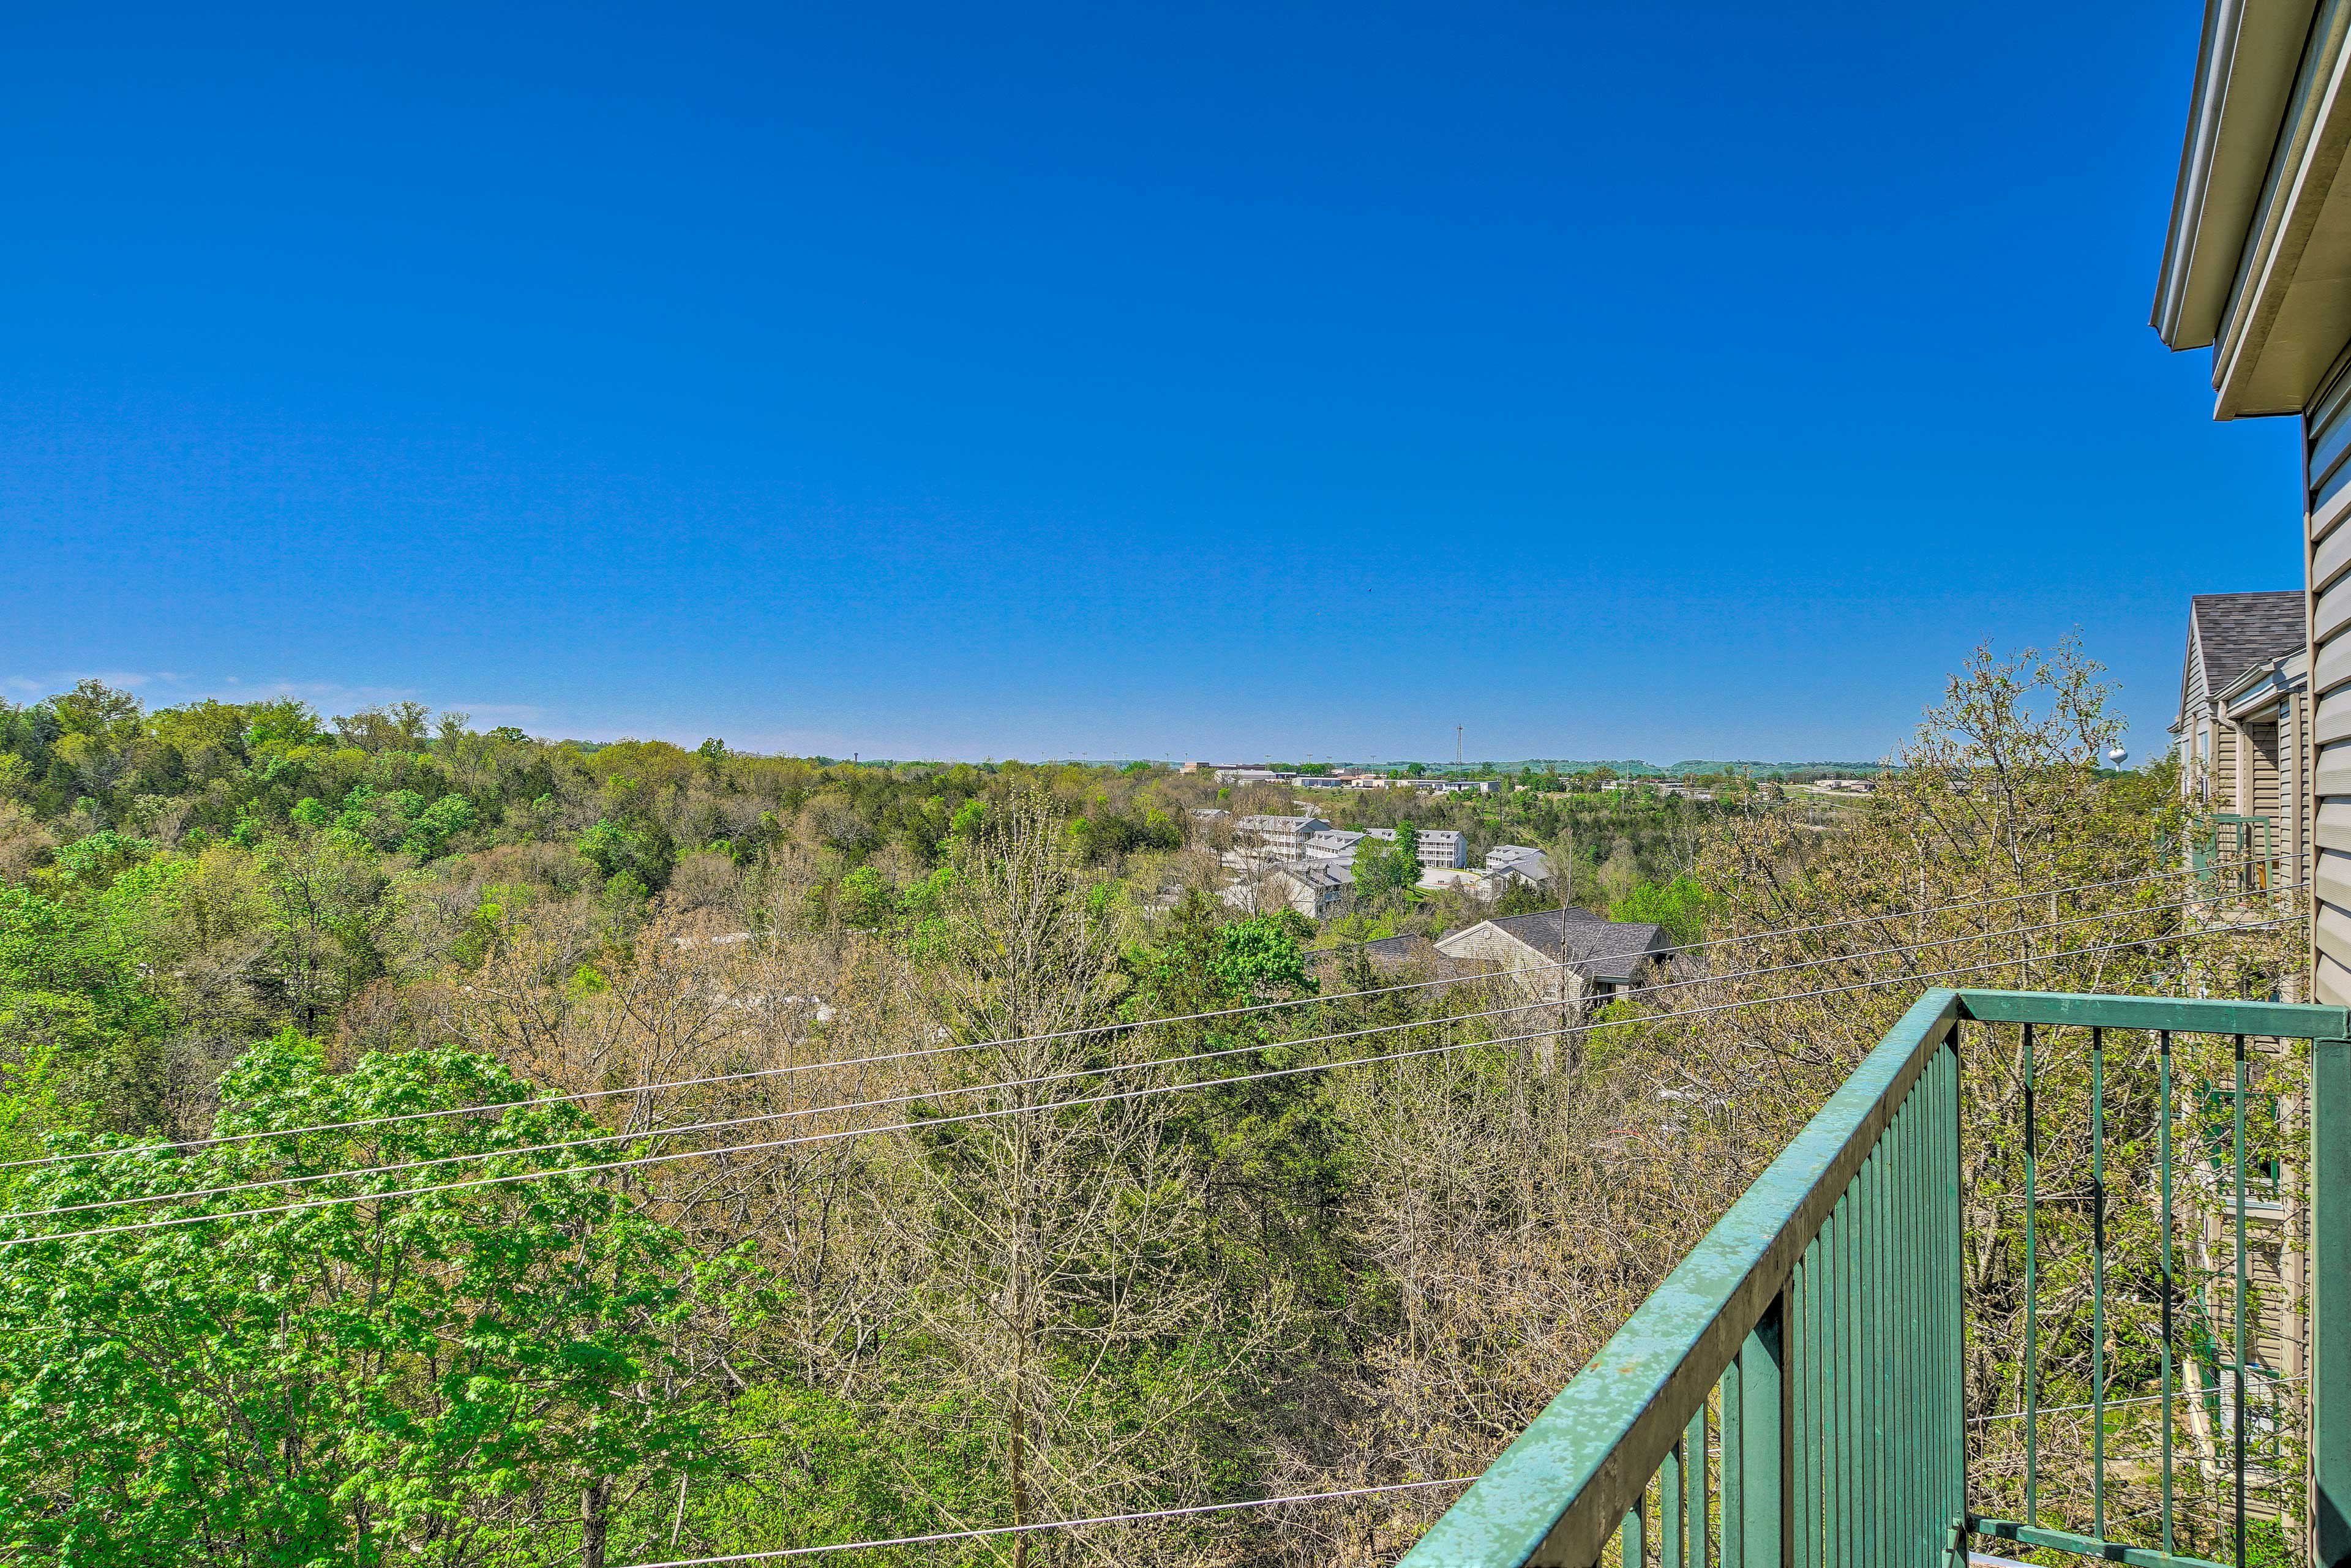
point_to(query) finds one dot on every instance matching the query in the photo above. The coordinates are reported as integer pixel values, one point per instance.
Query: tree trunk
(594, 1519)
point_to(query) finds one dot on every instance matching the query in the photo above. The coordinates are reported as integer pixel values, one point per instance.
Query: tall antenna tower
(1456, 746)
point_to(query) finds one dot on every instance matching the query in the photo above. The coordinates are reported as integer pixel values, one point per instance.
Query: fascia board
(2246, 66)
(2309, 149)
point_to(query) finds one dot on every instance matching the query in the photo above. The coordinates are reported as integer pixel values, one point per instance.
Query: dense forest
(807, 1152)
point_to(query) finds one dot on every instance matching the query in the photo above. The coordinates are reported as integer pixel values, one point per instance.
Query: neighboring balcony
(2237, 856)
(2144, 1292)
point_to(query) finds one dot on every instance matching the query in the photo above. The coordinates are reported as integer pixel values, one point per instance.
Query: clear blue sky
(992, 381)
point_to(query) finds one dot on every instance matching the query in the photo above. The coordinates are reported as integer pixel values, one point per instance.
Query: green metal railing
(1794, 1393)
(2236, 854)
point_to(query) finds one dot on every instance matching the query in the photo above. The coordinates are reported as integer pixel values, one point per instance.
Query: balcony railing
(2237, 855)
(1794, 1393)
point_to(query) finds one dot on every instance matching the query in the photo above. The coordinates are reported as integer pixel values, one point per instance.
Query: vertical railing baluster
(2329, 1504)
(2240, 1301)
(1875, 1352)
(1922, 1332)
(2032, 1288)
(1762, 1483)
(1671, 1513)
(1905, 1306)
(1848, 1452)
(1889, 1333)
(1855, 1290)
(2171, 1283)
(1803, 1373)
(1694, 1521)
(1897, 1446)
(1930, 1270)
(1930, 1273)
(1634, 1553)
(1829, 1286)
(1889, 1471)
(2098, 1282)
(1730, 1532)
(1954, 1321)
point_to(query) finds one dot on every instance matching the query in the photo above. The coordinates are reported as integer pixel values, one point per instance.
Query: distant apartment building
(1281, 838)
(1316, 889)
(1443, 847)
(1660, 787)
(1439, 848)
(1332, 844)
(1506, 863)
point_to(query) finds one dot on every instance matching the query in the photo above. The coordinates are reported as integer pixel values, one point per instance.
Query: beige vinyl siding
(2329, 587)
(2293, 750)
(2261, 772)
(2327, 581)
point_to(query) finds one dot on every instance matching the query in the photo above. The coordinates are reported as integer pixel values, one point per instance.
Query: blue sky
(1610, 380)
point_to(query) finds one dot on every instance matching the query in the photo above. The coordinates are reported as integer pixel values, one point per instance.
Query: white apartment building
(1523, 862)
(1443, 847)
(1283, 838)
(1439, 848)
(1332, 844)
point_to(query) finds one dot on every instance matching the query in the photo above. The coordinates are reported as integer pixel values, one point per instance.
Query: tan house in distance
(1602, 957)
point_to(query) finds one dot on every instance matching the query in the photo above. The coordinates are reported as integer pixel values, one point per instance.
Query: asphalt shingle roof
(2234, 631)
(1594, 946)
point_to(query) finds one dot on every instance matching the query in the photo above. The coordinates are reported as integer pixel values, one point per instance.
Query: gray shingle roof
(2234, 631)
(1394, 952)
(1594, 947)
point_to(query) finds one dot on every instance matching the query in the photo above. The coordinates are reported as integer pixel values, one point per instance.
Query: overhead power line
(1057, 1524)
(1771, 932)
(1145, 1091)
(763, 1117)
(1111, 1027)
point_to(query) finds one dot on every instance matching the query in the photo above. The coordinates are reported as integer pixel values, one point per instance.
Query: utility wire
(1115, 1025)
(2176, 1393)
(1057, 1524)
(1145, 1091)
(757, 1118)
(1975, 903)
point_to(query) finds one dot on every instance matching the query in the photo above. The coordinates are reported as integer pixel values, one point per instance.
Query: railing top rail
(1578, 1466)
(2181, 1015)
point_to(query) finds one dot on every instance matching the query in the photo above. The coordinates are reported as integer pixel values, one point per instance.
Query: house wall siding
(2328, 743)
(2261, 772)
(2296, 749)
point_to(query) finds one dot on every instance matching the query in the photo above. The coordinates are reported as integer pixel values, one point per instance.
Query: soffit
(2245, 74)
(2290, 311)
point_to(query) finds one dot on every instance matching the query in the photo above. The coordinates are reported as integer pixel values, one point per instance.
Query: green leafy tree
(1386, 869)
(622, 849)
(432, 829)
(95, 861)
(73, 997)
(1679, 906)
(474, 1377)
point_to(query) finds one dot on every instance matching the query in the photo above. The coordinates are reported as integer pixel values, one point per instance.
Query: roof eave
(2287, 315)
(2246, 68)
